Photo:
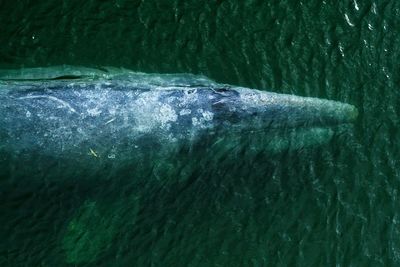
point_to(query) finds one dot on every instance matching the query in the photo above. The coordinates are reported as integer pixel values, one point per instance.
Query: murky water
(331, 205)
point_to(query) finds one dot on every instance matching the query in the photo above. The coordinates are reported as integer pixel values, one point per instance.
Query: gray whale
(87, 119)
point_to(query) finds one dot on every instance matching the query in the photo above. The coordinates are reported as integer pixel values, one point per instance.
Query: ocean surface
(333, 205)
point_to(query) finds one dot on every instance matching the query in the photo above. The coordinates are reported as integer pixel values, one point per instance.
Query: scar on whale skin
(55, 99)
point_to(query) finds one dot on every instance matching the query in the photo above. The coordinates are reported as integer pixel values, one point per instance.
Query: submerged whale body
(58, 116)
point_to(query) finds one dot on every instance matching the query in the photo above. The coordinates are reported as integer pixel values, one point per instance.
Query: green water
(335, 205)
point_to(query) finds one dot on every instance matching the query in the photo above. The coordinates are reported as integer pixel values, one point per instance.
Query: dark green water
(335, 205)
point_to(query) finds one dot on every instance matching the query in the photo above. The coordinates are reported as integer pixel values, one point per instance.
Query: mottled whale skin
(122, 117)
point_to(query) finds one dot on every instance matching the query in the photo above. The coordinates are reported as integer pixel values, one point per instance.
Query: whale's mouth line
(295, 139)
(295, 127)
(299, 128)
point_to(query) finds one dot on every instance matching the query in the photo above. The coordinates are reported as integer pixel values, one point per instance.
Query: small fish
(93, 153)
(113, 119)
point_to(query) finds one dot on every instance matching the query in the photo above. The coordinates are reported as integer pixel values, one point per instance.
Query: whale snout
(289, 111)
(291, 122)
(331, 113)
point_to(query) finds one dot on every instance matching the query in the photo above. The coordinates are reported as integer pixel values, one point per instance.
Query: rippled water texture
(332, 205)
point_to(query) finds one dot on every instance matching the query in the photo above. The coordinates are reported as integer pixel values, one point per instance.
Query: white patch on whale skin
(208, 116)
(94, 112)
(201, 121)
(149, 113)
(189, 97)
(185, 111)
(195, 122)
(167, 114)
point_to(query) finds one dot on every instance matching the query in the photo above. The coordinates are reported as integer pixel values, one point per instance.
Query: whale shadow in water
(208, 177)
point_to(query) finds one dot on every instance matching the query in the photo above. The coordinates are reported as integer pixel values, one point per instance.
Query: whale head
(281, 121)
